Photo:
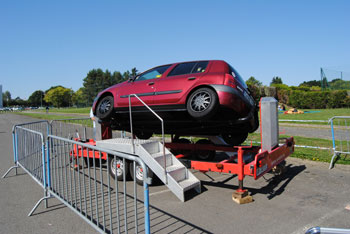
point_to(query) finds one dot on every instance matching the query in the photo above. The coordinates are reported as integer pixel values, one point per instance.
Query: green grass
(70, 110)
(321, 155)
(44, 116)
(323, 114)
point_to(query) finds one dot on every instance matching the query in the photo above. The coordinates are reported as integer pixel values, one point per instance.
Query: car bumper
(234, 99)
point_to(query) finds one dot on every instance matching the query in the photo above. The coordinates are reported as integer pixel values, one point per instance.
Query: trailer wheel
(139, 173)
(205, 155)
(116, 167)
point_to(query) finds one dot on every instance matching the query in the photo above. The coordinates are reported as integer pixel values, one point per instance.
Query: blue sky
(47, 43)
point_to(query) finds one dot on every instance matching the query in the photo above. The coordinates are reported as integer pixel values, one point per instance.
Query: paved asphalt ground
(307, 195)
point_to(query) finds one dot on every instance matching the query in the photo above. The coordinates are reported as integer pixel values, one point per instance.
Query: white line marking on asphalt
(318, 222)
(160, 192)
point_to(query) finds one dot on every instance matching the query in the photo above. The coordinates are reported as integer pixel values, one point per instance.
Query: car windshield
(238, 77)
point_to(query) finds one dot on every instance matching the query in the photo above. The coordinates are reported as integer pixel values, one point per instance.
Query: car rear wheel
(205, 155)
(104, 107)
(144, 135)
(235, 139)
(202, 103)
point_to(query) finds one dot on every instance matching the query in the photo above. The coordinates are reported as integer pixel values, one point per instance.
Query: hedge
(303, 99)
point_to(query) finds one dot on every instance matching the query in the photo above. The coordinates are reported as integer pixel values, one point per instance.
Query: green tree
(252, 81)
(276, 80)
(78, 98)
(97, 80)
(6, 98)
(311, 83)
(37, 98)
(59, 96)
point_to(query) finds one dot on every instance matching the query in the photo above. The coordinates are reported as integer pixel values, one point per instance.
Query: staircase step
(178, 172)
(189, 184)
(160, 159)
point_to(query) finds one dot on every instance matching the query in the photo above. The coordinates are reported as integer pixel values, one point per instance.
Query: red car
(193, 98)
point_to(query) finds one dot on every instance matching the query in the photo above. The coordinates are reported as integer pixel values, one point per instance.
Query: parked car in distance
(194, 98)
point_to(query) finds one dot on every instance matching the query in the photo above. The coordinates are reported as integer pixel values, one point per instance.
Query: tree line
(95, 81)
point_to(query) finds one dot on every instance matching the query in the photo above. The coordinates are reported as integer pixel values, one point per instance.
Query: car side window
(182, 68)
(153, 73)
(188, 68)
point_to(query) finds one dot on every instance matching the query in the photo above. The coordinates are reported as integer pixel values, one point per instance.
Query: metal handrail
(132, 134)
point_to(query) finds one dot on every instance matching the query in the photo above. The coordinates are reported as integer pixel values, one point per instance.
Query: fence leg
(332, 161)
(8, 171)
(38, 203)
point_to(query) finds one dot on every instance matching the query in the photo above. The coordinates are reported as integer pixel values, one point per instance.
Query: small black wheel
(202, 103)
(116, 167)
(105, 107)
(205, 155)
(279, 169)
(144, 135)
(235, 138)
(139, 173)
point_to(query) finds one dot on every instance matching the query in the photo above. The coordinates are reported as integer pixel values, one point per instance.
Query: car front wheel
(104, 108)
(202, 103)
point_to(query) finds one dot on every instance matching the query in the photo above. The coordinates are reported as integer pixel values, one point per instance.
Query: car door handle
(151, 83)
(191, 78)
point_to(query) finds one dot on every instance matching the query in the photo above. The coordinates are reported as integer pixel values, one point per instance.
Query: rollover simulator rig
(170, 161)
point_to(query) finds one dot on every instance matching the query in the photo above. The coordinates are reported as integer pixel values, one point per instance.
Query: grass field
(322, 155)
(316, 114)
(304, 153)
(71, 110)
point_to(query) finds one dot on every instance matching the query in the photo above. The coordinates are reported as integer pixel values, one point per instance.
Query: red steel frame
(262, 163)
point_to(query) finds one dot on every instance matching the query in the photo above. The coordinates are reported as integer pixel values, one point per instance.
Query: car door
(179, 80)
(143, 86)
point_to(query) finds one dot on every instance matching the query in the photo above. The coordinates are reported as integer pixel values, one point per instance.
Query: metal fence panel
(85, 185)
(340, 127)
(30, 153)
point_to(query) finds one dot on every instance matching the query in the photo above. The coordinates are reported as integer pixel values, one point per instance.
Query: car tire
(181, 151)
(105, 107)
(205, 155)
(116, 168)
(144, 135)
(234, 139)
(139, 173)
(202, 103)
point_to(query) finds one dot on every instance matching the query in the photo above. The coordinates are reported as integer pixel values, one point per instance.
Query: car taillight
(230, 81)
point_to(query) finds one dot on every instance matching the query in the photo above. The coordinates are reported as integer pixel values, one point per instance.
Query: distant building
(1, 96)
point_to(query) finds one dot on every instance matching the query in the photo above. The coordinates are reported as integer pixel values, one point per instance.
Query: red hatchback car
(193, 98)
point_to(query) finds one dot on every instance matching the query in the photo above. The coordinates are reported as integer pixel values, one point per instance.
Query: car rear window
(237, 76)
(187, 68)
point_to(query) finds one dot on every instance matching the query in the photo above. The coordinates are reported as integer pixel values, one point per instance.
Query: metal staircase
(160, 160)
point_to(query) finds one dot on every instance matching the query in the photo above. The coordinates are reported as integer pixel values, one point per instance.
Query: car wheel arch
(198, 87)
